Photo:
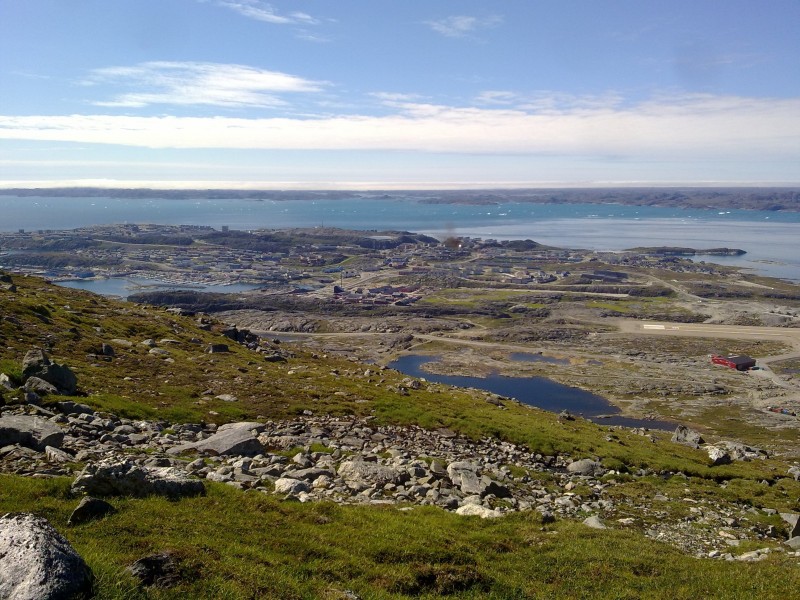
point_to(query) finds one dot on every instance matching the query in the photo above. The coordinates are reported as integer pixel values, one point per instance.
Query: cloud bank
(700, 126)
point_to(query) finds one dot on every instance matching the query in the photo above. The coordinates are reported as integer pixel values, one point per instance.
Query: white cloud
(462, 25)
(198, 83)
(261, 11)
(700, 127)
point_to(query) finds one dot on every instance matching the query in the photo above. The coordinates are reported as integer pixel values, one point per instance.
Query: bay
(771, 239)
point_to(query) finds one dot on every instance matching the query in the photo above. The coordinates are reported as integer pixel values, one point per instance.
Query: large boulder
(465, 476)
(586, 467)
(232, 439)
(358, 470)
(38, 563)
(125, 478)
(30, 431)
(36, 363)
(687, 437)
(793, 522)
(718, 456)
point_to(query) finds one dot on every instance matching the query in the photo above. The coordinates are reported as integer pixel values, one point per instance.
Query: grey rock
(357, 469)
(688, 437)
(31, 431)
(586, 467)
(5, 382)
(36, 363)
(795, 472)
(125, 478)
(718, 456)
(56, 455)
(793, 543)
(157, 570)
(235, 439)
(287, 485)
(39, 386)
(793, 521)
(38, 563)
(216, 348)
(90, 509)
(477, 510)
(594, 522)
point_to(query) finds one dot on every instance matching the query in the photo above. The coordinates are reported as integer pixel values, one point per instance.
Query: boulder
(287, 485)
(688, 437)
(586, 467)
(477, 510)
(358, 470)
(6, 383)
(718, 456)
(125, 478)
(232, 439)
(39, 386)
(594, 522)
(795, 473)
(30, 431)
(217, 348)
(38, 563)
(36, 363)
(793, 521)
(90, 509)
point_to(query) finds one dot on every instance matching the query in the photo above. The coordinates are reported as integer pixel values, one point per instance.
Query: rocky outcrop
(38, 563)
(126, 478)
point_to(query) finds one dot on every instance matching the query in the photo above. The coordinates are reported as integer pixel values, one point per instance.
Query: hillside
(353, 481)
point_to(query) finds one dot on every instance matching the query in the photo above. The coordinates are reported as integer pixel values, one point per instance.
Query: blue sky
(398, 94)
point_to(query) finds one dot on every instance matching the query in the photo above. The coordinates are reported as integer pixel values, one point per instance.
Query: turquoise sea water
(771, 239)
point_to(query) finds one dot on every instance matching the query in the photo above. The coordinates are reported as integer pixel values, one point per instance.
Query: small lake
(123, 287)
(533, 391)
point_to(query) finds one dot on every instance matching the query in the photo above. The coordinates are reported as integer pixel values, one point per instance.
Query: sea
(771, 239)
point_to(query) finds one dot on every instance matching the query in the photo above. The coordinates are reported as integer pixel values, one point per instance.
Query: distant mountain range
(754, 198)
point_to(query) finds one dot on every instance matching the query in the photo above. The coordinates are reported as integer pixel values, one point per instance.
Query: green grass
(237, 545)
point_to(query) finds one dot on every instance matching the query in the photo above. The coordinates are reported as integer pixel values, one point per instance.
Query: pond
(533, 391)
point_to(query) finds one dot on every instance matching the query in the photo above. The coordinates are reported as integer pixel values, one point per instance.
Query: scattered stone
(90, 509)
(38, 563)
(227, 398)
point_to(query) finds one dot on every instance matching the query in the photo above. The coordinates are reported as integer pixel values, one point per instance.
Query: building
(740, 363)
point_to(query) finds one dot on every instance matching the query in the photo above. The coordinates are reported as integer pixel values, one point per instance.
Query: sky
(393, 94)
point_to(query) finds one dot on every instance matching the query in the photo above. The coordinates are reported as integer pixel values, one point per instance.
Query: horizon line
(377, 186)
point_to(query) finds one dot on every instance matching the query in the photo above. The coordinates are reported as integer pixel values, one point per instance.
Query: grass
(236, 545)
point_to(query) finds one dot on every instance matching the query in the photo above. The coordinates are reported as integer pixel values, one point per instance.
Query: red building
(740, 363)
